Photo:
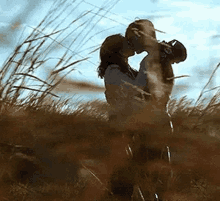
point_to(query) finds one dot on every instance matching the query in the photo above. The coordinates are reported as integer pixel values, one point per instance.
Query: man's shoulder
(149, 60)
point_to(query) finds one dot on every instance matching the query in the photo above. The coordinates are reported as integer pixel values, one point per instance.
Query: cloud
(193, 24)
(74, 86)
(166, 25)
(196, 11)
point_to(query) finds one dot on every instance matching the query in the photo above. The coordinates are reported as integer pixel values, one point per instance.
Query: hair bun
(178, 50)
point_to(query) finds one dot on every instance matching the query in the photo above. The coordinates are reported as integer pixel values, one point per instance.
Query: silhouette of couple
(129, 91)
(138, 96)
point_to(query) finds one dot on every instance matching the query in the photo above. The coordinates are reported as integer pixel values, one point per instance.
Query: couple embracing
(139, 97)
(130, 92)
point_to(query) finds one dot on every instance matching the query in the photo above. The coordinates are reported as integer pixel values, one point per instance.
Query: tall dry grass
(50, 152)
(73, 156)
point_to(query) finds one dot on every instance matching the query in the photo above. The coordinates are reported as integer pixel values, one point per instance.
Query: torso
(155, 84)
(159, 87)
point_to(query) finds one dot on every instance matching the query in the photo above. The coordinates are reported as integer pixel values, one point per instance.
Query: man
(148, 110)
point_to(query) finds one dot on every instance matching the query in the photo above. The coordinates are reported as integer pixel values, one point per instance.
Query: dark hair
(176, 52)
(110, 54)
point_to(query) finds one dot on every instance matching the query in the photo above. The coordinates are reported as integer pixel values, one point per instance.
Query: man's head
(141, 35)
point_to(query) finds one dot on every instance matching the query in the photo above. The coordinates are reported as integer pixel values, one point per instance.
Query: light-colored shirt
(125, 93)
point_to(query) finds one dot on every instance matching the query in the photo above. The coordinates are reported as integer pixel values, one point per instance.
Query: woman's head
(179, 51)
(141, 34)
(114, 50)
(116, 44)
(176, 53)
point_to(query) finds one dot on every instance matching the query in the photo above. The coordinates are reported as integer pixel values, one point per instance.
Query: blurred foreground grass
(72, 156)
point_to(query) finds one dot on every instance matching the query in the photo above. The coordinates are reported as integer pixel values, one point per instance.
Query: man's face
(135, 41)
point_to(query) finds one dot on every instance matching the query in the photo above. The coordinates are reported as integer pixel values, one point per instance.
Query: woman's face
(127, 49)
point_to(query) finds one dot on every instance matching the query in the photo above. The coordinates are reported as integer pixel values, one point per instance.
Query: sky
(194, 23)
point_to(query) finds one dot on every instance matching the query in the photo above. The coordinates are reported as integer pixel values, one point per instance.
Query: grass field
(72, 156)
(50, 151)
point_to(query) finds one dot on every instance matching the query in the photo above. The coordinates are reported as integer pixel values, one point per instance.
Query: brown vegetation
(51, 152)
(73, 156)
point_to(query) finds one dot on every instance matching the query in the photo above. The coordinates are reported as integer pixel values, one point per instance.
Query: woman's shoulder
(113, 67)
(113, 75)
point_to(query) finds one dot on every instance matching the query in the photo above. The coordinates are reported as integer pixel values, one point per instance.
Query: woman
(114, 68)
